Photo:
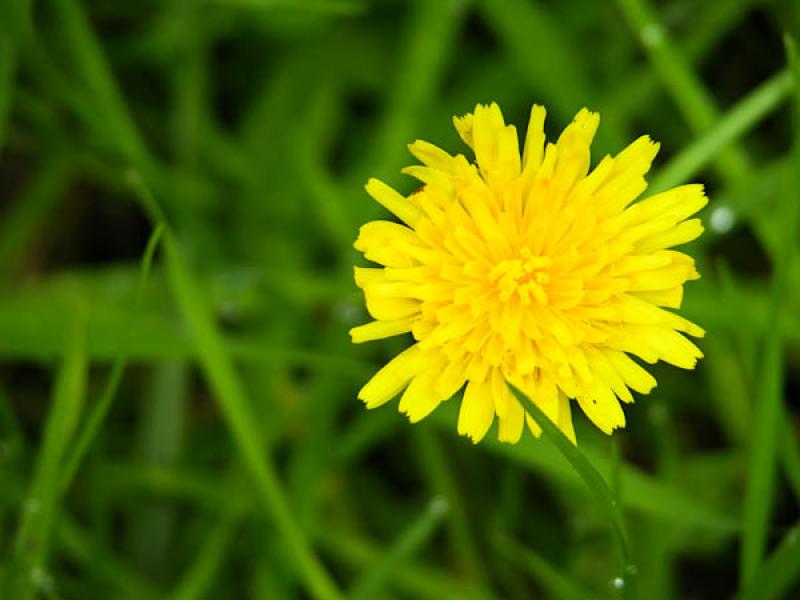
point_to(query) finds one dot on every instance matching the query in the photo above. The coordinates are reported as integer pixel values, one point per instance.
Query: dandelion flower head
(527, 268)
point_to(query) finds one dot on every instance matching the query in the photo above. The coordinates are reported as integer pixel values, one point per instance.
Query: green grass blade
(535, 40)
(593, 480)
(100, 410)
(98, 561)
(643, 493)
(709, 25)
(417, 580)
(8, 68)
(790, 455)
(198, 579)
(689, 93)
(434, 464)
(747, 113)
(223, 380)
(322, 7)
(558, 585)
(27, 214)
(408, 542)
(39, 510)
(779, 571)
(96, 72)
(432, 32)
(759, 493)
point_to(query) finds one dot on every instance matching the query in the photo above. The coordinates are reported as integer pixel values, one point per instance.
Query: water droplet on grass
(652, 34)
(42, 580)
(722, 219)
(439, 505)
(618, 583)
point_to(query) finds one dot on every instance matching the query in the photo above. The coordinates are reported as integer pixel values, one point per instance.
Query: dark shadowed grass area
(180, 185)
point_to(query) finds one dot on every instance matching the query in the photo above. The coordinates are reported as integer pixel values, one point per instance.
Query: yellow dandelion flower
(527, 269)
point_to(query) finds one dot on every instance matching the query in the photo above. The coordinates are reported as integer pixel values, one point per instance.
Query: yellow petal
(394, 202)
(430, 177)
(390, 309)
(673, 347)
(436, 158)
(678, 203)
(681, 234)
(495, 144)
(387, 243)
(662, 278)
(596, 178)
(626, 181)
(464, 126)
(511, 423)
(451, 378)
(565, 417)
(602, 407)
(501, 395)
(634, 376)
(670, 298)
(534, 140)
(573, 149)
(377, 330)
(533, 426)
(393, 377)
(608, 375)
(477, 411)
(420, 398)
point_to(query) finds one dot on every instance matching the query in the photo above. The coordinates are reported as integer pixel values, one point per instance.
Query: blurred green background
(194, 433)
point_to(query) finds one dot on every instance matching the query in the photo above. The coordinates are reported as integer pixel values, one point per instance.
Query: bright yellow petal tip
(527, 267)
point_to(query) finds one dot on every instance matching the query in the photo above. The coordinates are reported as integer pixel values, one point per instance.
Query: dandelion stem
(595, 482)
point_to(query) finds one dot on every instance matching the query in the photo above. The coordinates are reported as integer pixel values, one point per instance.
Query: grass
(177, 390)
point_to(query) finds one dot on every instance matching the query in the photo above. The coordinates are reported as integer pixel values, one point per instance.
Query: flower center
(527, 277)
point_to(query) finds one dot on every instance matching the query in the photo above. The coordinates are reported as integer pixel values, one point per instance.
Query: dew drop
(618, 583)
(439, 505)
(652, 34)
(41, 580)
(722, 219)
